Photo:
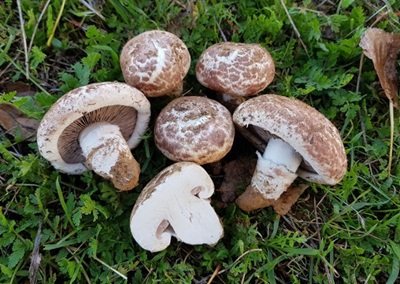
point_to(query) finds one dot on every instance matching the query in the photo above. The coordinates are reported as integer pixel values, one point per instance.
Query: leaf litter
(14, 121)
(382, 48)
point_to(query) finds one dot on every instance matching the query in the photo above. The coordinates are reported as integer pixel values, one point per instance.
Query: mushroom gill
(68, 143)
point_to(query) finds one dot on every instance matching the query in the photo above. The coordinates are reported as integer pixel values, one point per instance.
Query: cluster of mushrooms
(95, 127)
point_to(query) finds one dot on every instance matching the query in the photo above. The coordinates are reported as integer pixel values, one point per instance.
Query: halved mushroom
(235, 70)
(300, 142)
(155, 62)
(94, 127)
(195, 129)
(176, 203)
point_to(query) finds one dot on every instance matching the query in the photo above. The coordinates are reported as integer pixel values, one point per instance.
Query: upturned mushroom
(155, 62)
(94, 127)
(176, 203)
(235, 70)
(300, 142)
(195, 129)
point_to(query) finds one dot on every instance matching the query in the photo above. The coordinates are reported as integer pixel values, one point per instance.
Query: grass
(348, 233)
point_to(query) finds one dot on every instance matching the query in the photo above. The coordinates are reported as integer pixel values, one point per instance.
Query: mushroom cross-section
(194, 129)
(235, 69)
(300, 142)
(176, 203)
(95, 127)
(155, 62)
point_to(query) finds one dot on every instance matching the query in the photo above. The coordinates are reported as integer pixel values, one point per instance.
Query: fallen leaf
(237, 175)
(14, 122)
(22, 89)
(382, 48)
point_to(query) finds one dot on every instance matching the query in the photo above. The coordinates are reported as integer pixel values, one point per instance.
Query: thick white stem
(276, 169)
(108, 154)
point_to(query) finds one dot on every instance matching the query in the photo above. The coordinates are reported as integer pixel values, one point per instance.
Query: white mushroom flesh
(176, 203)
(276, 169)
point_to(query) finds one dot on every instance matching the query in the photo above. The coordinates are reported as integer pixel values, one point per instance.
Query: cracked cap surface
(238, 69)
(195, 129)
(155, 62)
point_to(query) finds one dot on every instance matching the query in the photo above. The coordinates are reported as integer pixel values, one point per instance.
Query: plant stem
(109, 267)
(33, 80)
(391, 114)
(37, 25)
(296, 31)
(56, 23)
(22, 23)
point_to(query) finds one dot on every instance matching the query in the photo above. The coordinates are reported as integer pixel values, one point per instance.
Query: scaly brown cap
(237, 69)
(195, 129)
(155, 62)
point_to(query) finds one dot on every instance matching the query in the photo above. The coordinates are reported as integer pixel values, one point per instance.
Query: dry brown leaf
(14, 122)
(382, 48)
(22, 89)
(238, 174)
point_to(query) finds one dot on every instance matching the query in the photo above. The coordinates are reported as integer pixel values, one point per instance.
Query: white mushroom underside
(73, 105)
(179, 207)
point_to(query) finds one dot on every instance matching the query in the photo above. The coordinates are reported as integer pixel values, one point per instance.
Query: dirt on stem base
(252, 199)
(125, 173)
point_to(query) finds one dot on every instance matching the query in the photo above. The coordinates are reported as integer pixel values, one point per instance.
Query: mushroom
(176, 203)
(155, 62)
(195, 129)
(94, 127)
(236, 70)
(300, 142)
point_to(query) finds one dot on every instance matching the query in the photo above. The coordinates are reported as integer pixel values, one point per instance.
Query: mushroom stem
(108, 154)
(237, 100)
(231, 101)
(275, 172)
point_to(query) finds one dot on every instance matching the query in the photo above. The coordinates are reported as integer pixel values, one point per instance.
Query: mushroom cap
(304, 128)
(176, 203)
(113, 102)
(155, 62)
(195, 129)
(238, 69)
